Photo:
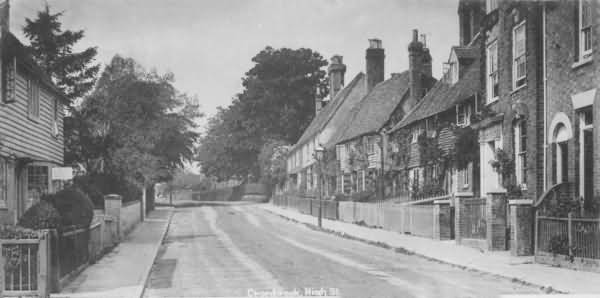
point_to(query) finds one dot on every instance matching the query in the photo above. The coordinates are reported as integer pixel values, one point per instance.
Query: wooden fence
(579, 237)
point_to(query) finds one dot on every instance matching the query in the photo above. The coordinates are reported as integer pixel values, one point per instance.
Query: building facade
(571, 51)
(31, 128)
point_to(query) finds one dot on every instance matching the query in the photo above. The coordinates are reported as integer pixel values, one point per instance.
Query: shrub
(363, 196)
(98, 185)
(42, 215)
(338, 197)
(17, 232)
(75, 207)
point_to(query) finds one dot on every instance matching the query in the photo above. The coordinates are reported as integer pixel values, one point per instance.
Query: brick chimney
(375, 63)
(336, 70)
(419, 66)
(4, 15)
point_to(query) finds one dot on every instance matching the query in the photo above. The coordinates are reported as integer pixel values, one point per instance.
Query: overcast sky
(208, 45)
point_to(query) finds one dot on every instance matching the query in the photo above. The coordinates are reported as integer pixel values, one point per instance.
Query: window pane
(37, 183)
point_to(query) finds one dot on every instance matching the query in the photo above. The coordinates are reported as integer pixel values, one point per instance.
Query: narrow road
(238, 250)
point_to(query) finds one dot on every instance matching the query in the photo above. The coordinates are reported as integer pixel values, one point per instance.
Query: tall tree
(136, 125)
(277, 103)
(73, 72)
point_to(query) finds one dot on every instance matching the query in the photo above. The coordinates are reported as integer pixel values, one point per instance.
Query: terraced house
(362, 149)
(330, 120)
(426, 137)
(31, 127)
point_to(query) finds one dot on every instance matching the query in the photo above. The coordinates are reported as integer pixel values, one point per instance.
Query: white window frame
(491, 5)
(583, 31)
(465, 110)
(3, 183)
(583, 126)
(33, 99)
(492, 70)
(518, 58)
(370, 145)
(415, 131)
(520, 154)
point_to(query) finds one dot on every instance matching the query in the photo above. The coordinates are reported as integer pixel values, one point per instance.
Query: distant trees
(277, 103)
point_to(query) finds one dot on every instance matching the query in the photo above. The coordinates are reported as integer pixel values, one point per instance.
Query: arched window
(561, 154)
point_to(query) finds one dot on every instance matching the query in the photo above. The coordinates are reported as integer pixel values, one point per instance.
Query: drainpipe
(545, 96)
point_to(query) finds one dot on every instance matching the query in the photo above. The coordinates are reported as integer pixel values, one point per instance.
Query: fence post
(1, 271)
(569, 232)
(43, 248)
(535, 233)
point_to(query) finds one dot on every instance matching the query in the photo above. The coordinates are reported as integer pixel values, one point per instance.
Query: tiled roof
(373, 112)
(444, 96)
(12, 47)
(330, 110)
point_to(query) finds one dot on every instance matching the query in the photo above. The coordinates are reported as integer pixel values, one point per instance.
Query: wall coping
(113, 197)
(126, 204)
(464, 194)
(497, 191)
(520, 202)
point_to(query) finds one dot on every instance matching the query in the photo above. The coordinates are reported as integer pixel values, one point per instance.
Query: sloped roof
(12, 47)
(375, 109)
(330, 110)
(444, 96)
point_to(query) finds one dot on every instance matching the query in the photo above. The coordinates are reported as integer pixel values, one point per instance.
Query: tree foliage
(272, 160)
(135, 125)
(277, 103)
(52, 48)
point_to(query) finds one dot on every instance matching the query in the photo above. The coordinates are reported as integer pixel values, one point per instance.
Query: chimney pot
(375, 43)
(336, 71)
(375, 63)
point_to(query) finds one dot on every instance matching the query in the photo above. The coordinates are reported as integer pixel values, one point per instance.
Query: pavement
(501, 264)
(243, 250)
(123, 272)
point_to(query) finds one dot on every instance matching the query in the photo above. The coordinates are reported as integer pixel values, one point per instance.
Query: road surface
(242, 250)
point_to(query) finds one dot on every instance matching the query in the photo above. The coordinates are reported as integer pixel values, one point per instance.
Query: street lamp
(319, 152)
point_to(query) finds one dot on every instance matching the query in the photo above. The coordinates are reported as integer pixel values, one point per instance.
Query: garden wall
(130, 216)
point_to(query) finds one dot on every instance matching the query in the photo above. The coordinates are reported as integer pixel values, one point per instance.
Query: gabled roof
(444, 96)
(375, 109)
(330, 110)
(12, 47)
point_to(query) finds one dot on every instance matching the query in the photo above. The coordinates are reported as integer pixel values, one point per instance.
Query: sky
(209, 45)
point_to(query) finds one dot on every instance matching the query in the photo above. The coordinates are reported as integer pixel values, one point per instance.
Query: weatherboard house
(362, 148)
(31, 127)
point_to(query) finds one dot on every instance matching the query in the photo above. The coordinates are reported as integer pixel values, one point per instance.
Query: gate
(473, 223)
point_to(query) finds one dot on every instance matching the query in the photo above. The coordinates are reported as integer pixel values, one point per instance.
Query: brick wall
(526, 102)
(565, 80)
